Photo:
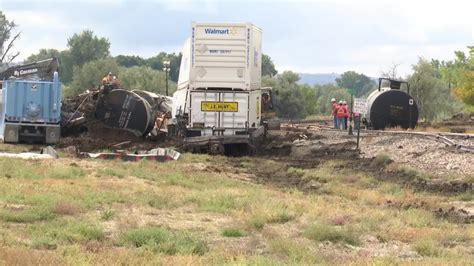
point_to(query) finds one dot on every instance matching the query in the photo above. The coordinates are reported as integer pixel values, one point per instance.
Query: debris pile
(141, 113)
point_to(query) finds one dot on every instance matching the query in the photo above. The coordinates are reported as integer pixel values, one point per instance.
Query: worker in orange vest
(340, 114)
(333, 112)
(346, 113)
(116, 82)
(107, 79)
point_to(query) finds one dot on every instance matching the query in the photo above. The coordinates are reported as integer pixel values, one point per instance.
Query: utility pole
(166, 69)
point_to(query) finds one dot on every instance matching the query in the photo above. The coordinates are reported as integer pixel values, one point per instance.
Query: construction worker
(333, 112)
(116, 82)
(107, 79)
(346, 113)
(340, 114)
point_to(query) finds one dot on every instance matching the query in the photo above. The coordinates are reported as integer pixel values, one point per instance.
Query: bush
(381, 160)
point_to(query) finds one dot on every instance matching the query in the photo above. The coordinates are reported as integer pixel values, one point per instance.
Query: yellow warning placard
(219, 106)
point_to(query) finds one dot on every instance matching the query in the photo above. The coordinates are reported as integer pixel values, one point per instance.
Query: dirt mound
(99, 137)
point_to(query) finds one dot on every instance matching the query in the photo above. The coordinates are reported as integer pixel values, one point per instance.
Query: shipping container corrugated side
(30, 103)
(222, 55)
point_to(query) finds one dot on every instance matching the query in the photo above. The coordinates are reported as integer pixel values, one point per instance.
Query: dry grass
(91, 212)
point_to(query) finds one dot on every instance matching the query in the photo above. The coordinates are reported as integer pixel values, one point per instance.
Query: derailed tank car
(391, 107)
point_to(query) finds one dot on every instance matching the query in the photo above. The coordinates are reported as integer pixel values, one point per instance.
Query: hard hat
(110, 73)
(340, 102)
(333, 100)
(344, 102)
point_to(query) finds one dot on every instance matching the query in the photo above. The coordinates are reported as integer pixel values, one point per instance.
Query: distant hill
(318, 78)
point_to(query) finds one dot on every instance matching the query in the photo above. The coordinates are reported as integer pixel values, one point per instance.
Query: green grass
(281, 216)
(29, 215)
(232, 232)
(107, 214)
(66, 172)
(427, 248)
(108, 172)
(164, 241)
(294, 252)
(65, 232)
(85, 216)
(18, 168)
(257, 222)
(324, 232)
(43, 243)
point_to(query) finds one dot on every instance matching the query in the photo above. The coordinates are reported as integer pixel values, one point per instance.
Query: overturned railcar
(391, 106)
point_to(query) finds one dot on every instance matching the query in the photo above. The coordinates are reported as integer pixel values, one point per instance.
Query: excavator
(41, 70)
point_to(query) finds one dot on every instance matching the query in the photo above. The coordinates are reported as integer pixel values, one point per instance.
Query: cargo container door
(227, 111)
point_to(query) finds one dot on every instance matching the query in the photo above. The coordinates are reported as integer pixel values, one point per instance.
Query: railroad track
(442, 137)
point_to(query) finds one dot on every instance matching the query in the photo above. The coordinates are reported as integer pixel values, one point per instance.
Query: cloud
(307, 36)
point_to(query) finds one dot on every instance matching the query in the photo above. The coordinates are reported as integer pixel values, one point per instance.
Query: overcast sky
(366, 36)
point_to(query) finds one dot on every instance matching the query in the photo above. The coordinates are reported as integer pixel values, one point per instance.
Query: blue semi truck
(30, 103)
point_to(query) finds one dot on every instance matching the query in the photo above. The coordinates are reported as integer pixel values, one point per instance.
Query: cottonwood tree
(7, 39)
(86, 47)
(353, 80)
(268, 68)
(431, 94)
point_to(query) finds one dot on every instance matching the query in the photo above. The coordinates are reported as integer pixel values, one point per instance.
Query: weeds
(27, 216)
(324, 232)
(232, 232)
(427, 247)
(107, 214)
(164, 241)
(381, 160)
(66, 208)
(111, 172)
(257, 222)
(67, 232)
(66, 172)
(294, 252)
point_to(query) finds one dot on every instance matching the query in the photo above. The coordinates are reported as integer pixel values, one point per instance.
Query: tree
(391, 72)
(353, 80)
(431, 94)
(324, 94)
(465, 90)
(268, 68)
(156, 62)
(130, 60)
(145, 78)
(7, 39)
(42, 55)
(85, 47)
(90, 74)
(288, 99)
(65, 61)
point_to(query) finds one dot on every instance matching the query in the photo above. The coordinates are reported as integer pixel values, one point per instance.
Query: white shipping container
(222, 55)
